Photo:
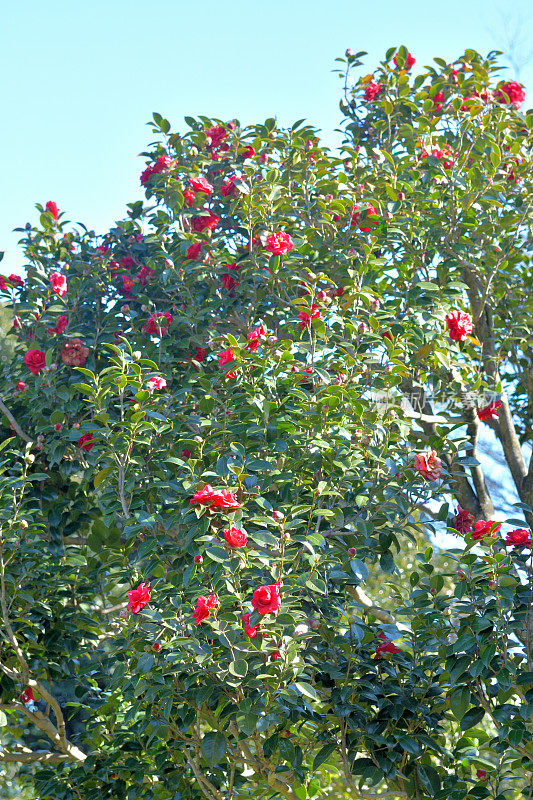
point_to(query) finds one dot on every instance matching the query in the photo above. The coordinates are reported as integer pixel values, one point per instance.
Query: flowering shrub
(234, 424)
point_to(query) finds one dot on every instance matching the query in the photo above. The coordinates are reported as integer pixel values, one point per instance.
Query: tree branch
(14, 424)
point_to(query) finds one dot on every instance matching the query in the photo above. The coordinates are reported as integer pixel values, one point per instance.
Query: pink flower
(74, 354)
(216, 135)
(139, 597)
(510, 93)
(216, 499)
(464, 521)
(254, 337)
(409, 61)
(250, 630)
(372, 90)
(248, 152)
(267, 599)
(226, 357)
(200, 354)
(194, 251)
(228, 281)
(53, 209)
(144, 274)
(86, 442)
(429, 465)
(157, 324)
(58, 282)
(15, 280)
(489, 412)
(385, 647)
(35, 360)
(520, 537)
(228, 186)
(460, 325)
(305, 318)
(482, 529)
(162, 164)
(189, 197)
(21, 386)
(235, 537)
(156, 383)
(438, 100)
(127, 286)
(279, 243)
(60, 326)
(207, 222)
(204, 605)
(126, 262)
(357, 222)
(201, 184)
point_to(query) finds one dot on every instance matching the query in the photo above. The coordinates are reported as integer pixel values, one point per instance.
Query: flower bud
(23, 524)
(156, 647)
(352, 551)
(278, 515)
(136, 355)
(198, 559)
(30, 458)
(76, 425)
(58, 426)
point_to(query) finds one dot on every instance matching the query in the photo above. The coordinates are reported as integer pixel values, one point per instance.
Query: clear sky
(81, 79)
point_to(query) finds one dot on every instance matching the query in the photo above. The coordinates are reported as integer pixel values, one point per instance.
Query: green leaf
(306, 689)
(239, 668)
(323, 755)
(459, 701)
(472, 718)
(213, 747)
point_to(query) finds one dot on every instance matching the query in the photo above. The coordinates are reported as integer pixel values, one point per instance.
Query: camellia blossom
(446, 155)
(60, 326)
(216, 135)
(162, 164)
(127, 286)
(157, 324)
(490, 412)
(139, 597)
(429, 465)
(305, 317)
(15, 280)
(201, 184)
(520, 537)
(189, 196)
(357, 222)
(267, 599)
(20, 386)
(226, 357)
(250, 630)
(228, 187)
(248, 152)
(194, 251)
(206, 222)
(86, 442)
(74, 354)
(35, 360)
(229, 282)
(279, 243)
(53, 209)
(483, 528)
(510, 93)
(156, 383)
(58, 282)
(385, 646)
(235, 537)
(200, 354)
(460, 325)
(204, 606)
(216, 499)
(409, 61)
(464, 521)
(144, 274)
(372, 90)
(254, 337)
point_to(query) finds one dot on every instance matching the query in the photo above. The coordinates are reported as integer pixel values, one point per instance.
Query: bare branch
(14, 424)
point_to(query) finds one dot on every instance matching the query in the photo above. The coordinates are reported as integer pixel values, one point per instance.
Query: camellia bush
(247, 544)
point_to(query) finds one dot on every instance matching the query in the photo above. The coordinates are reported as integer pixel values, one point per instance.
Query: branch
(14, 424)
(364, 600)
(33, 757)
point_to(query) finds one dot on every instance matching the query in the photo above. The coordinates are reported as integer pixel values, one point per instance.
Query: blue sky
(80, 80)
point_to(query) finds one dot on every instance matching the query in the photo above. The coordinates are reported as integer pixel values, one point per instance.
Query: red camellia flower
(3, 283)
(126, 262)
(409, 61)
(157, 324)
(385, 647)
(225, 357)
(235, 537)
(204, 605)
(201, 184)
(357, 222)
(216, 499)
(482, 529)
(207, 222)
(185, 453)
(60, 326)
(279, 243)
(254, 337)
(248, 152)
(53, 209)
(86, 442)
(200, 354)
(216, 135)
(464, 521)
(228, 186)
(305, 318)
(15, 280)
(127, 286)
(144, 274)
(267, 599)
(250, 630)
(460, 325)
(27, 696)
(156, 383)
(445, 154)
(510, 93)
(429, 465)
(139, 597)
(194, 250)
(520, 537)
(482, 774)
(438, 101)
(372, 90)
(74, 354)
(58, 282)
(35, 360)
(228, 281)
(490, 412)
(189, 197)
(162, 164)
(21, 386)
